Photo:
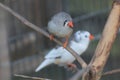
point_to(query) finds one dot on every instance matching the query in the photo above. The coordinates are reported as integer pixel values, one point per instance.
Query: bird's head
(83, 36)
(68, 24)
(63, 19)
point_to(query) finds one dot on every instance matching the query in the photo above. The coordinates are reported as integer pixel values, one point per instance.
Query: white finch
(62, 57)
(61, 26)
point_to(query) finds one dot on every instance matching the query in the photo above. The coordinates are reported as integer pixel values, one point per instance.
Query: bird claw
(72, 67)
(65, 44)
(51, 37)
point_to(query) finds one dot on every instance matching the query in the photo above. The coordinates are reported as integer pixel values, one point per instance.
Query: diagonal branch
(105, 44)
(36, 28)
(94, 69)
(29, 77)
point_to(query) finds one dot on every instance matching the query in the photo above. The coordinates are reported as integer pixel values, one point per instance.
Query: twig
(36, 28)
(29, 77)
(111, 72)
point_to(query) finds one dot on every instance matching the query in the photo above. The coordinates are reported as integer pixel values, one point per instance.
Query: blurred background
(23, 49)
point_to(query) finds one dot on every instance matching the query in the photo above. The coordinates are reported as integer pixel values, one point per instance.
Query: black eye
(86, 36)
(79, 33)
(64, 22)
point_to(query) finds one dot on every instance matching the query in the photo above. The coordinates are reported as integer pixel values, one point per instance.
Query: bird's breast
(59, 31)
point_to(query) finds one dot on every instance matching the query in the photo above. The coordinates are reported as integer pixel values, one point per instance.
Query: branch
(95, 67)
(36, 28)
(105, 44)
(29, 77)
(111, 72)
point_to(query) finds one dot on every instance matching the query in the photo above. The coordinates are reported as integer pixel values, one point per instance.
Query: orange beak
(91, 37)
(70, 24)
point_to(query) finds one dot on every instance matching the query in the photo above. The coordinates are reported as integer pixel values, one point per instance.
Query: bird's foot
(72, 67)
(51, 37)
(65, 44)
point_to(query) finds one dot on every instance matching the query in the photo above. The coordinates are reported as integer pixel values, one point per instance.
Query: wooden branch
(29, 77)
(111, 72)
(36, 28)
(94, 70)
(103, 49)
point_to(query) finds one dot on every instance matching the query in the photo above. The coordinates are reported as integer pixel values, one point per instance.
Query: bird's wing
(55, 53)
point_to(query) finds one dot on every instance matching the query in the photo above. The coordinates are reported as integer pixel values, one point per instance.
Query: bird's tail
(44, 64)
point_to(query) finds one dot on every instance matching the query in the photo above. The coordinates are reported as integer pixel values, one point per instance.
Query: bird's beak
(91, 37)
(70, 24)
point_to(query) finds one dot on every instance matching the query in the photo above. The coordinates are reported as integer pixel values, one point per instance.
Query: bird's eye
(79, 33)
(64, 22)
(86, 36)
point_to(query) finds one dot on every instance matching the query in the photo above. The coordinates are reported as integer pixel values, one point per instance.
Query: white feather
(45, 63)
(61, 56)
(55, 52)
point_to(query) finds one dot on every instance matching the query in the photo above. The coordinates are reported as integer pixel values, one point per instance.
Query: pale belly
(60, 31)
(67, 58)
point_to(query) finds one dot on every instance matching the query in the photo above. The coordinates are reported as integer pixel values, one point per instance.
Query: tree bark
(103, 49)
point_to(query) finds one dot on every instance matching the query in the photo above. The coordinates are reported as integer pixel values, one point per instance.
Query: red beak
(91, 37)
(70, 24)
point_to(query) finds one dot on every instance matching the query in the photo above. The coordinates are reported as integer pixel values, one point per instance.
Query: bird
(61, 25)
(62, 57)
